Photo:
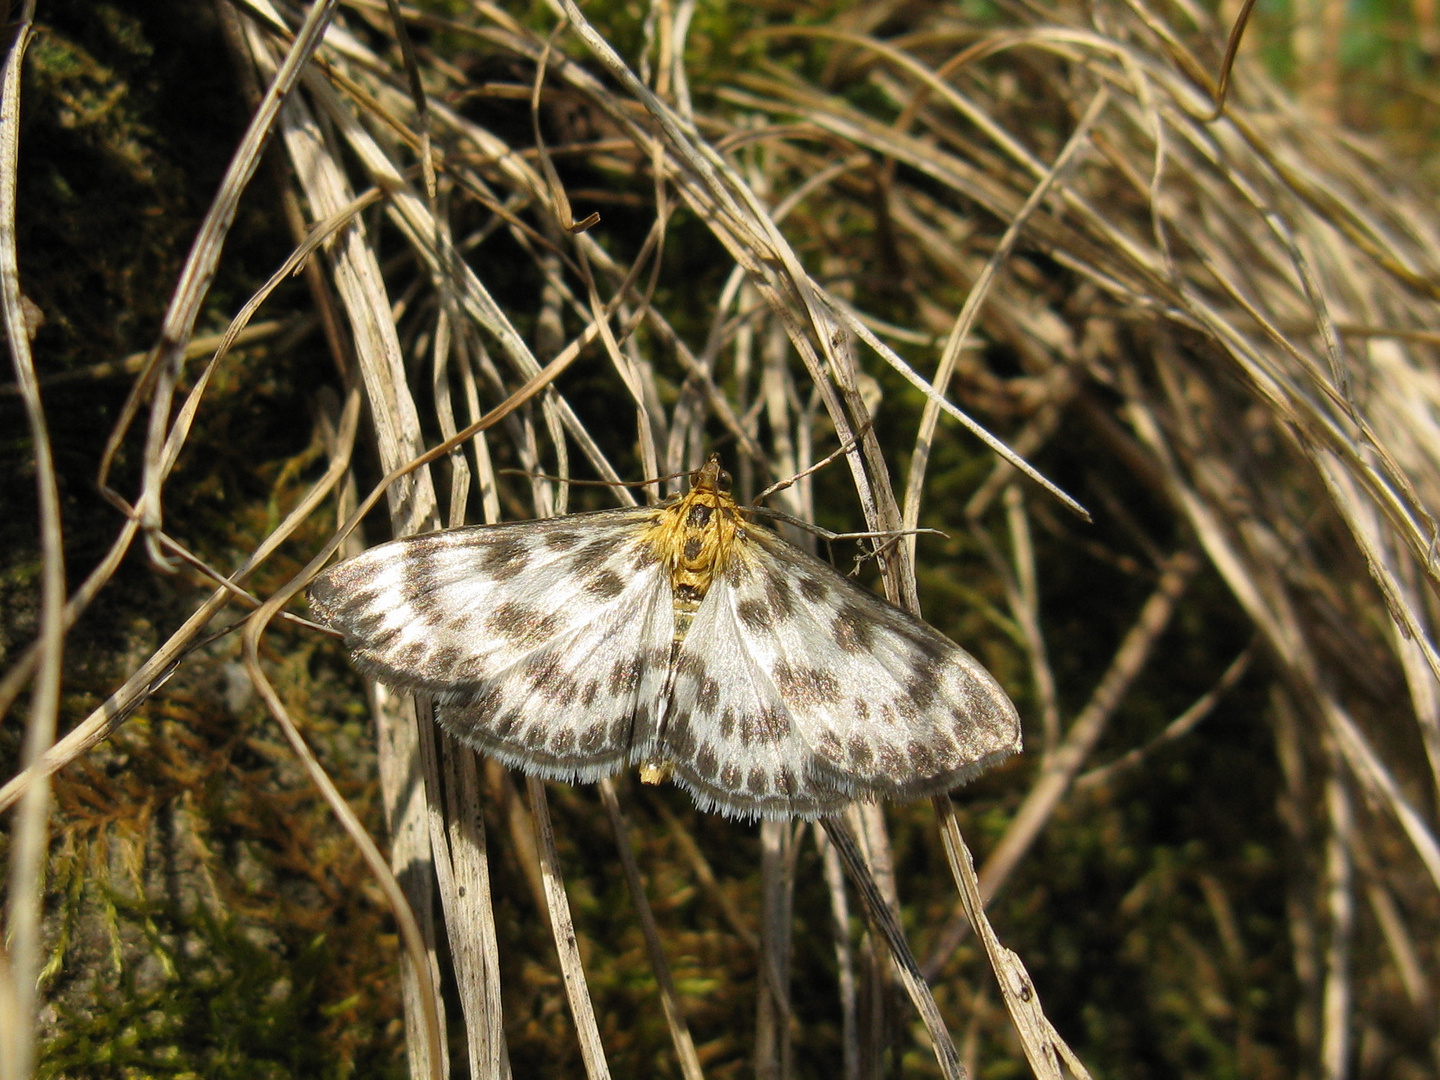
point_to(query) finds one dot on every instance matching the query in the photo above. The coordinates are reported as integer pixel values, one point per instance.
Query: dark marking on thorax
(696, 539)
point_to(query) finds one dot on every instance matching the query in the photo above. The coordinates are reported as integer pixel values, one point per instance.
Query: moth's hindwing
(544, 643)
(797, 691)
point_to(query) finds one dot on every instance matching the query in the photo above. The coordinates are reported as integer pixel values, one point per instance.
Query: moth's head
(710, 477)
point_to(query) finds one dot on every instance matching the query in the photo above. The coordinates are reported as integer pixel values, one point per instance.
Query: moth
(682, 637)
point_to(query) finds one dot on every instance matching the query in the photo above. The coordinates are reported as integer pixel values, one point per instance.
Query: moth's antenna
(592, 483)
(830, 537)
(845, 448)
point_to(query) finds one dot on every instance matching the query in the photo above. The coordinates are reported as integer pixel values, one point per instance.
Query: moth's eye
(723, 481)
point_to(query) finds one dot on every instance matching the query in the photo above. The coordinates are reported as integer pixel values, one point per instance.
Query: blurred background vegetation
(207, 918)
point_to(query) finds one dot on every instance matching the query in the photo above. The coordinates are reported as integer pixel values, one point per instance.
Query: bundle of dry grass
(885, 231)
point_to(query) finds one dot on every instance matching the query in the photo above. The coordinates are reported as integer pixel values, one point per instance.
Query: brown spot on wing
(382, 640)
(688, 663)
(705, 763)
(707, 698)
(506, 558)
(606, 585)
(367, 627)
(625, 676)
(620, 731)
(642, 724)
(860, 752)
(596, 552)
(507, 723)
(562, 539)
(461, 625)
(773, 724)
(369, 600)
(805, 688)
(907, 708)
(445, 660)
(891, 760)
(487, 703)
(922, 758)
(946, 752)
(681, 736)
(523, 627)
(588, 694)
(853, 630)
(549, 679)
(781, 598)
(755, 614)
(417, 590)
(408, 656)
(923, 690)
(813, 589)
(593, 737)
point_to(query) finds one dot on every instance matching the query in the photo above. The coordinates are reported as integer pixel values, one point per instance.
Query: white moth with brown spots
(680, 636)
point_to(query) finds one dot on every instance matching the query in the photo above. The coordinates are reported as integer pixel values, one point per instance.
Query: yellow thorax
(695, 537)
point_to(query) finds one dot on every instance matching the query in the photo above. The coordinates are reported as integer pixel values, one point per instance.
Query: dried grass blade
(200, 266)
(413, 508)
(751, 236)
(1178, 728)
(567, 947)
(965, 321)
(431, 1054)
(472, 927)
(1380, 783)
(844, 955)
(887, 926)
(469, 920)
(318, 236)
(774, 1049)
(669, 996)
(417, 222)
(1335, 1038)
(20, 948)
(1044, 1048)
(1259, 589)
(933, 397)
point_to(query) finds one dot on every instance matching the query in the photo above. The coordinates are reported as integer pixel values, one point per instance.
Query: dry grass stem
(21, 946)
